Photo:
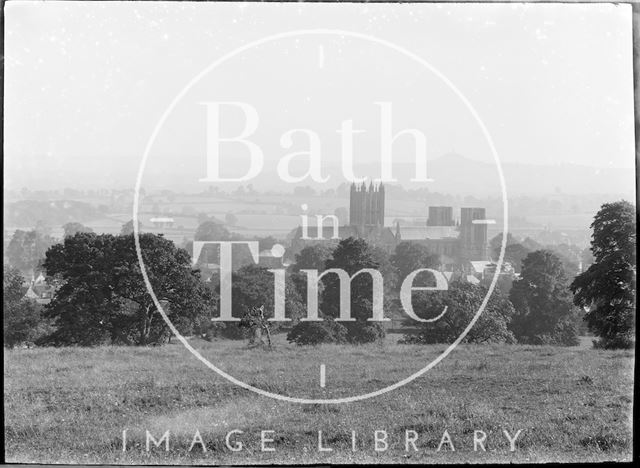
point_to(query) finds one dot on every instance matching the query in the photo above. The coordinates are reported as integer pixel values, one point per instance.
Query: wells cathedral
(458, 242)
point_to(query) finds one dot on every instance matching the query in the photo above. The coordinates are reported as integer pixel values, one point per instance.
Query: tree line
(101, 296)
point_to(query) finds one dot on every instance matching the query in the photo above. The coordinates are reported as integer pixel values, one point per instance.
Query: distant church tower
(366, 207)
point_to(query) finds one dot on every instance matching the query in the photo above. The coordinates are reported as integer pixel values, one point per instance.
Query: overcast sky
(86, 83)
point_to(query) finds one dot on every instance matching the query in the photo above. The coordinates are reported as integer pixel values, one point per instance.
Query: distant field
(564, 221)
(277, 215)
(71, 405)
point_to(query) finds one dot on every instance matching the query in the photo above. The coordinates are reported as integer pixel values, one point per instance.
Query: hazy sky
(85, 83)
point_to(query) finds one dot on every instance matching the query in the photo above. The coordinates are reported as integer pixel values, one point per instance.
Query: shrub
(362, 332)
(314, 333)
(232, 331)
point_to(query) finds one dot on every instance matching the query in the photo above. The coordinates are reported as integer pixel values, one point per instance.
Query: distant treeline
(24, 213)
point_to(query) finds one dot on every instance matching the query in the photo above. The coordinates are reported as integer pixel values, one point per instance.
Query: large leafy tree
(462, 301)
(607, 289)
(542, 301)
(352, 255)
(410, 256)
(312, 257)
(103, 296)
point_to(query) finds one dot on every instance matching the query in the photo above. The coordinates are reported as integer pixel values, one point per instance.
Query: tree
(71, 229)
(389, 273)
(542, 301)
(13, 288)
(212, 231)
(312, 257)
(410, 256)
(532, 245)
(127, 228)
(570, 257)
(255, 320)
(103, 297)
(462, 301)
(265, 243)
(253, 287)
(352, 255)
(230, 219)
(22, 319)
(26, 249)
(515, 254)
(495, 244)
(607, 289)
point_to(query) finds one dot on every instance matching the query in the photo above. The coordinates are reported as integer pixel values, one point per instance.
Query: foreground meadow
(71, 405)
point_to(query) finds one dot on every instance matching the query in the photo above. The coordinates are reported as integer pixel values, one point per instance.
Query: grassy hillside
(71, 405)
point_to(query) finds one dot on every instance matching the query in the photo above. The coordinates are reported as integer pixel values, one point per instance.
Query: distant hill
(460, 175)
(453, 173)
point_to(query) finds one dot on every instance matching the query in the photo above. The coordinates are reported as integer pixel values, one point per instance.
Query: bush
(232, 331)
(362, 332)
(210, 330)
(618, 342)
(314, 333)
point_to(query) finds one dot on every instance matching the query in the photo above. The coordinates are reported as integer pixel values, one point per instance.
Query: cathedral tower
(473, 237)
(366, 205)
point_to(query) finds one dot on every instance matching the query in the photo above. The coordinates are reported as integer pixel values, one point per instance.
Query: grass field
(71, 405)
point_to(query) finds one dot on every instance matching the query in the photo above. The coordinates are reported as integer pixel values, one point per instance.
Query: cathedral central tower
(366, 207)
